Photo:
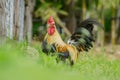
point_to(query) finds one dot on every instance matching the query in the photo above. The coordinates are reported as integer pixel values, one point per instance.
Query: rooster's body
(79, 41)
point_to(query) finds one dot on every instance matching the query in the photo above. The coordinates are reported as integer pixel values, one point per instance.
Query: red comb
(51, 20)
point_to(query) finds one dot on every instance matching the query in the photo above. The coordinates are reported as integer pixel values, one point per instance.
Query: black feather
(44, 48)
(88, 24)
(83, 36)
(47, 49)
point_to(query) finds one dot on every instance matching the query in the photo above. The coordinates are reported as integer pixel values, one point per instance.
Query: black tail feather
(88, 24)
(83, 37)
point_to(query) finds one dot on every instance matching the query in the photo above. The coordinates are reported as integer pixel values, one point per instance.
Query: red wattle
(51, 30)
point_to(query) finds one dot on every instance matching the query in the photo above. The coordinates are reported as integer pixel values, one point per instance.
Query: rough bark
(2, 18)
(12, 18)
(30, 4)
(28, 24)
(9, 13)
(19, 20)
(12, 15)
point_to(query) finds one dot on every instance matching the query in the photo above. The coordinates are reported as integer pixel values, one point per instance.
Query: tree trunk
(28, 24)
(12, 15)
(102, 32)
(9, 16)
(113, 28)
(12, 19)
(19, 20)
(2, 18)
(71, 20)
(83, 9)
(118, 24)
(30, 4)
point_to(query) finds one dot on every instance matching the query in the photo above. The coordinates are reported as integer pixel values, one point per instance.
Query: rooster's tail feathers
(82, 38)
(88, 24)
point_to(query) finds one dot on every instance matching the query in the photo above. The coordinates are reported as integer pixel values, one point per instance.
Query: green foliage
(36, 28)
(14, 65)
(47, 9)
(98, 9)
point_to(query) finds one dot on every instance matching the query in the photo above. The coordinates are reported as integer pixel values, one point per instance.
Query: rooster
(80, 40)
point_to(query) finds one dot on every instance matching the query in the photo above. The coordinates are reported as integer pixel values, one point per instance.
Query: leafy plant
(48, 9)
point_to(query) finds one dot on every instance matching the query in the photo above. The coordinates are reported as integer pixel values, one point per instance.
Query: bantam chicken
(80, 40)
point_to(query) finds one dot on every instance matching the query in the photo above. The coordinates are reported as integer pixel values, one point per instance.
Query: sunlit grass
(15, 65)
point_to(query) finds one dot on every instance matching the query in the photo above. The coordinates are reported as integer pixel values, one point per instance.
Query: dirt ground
(112, 52)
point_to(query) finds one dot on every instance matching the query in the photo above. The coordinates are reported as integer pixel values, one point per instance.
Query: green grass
(15, 65)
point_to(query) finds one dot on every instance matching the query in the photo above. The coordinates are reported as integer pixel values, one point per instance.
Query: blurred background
(25, 20)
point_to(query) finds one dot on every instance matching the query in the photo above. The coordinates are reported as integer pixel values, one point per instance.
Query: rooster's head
(51, 26)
